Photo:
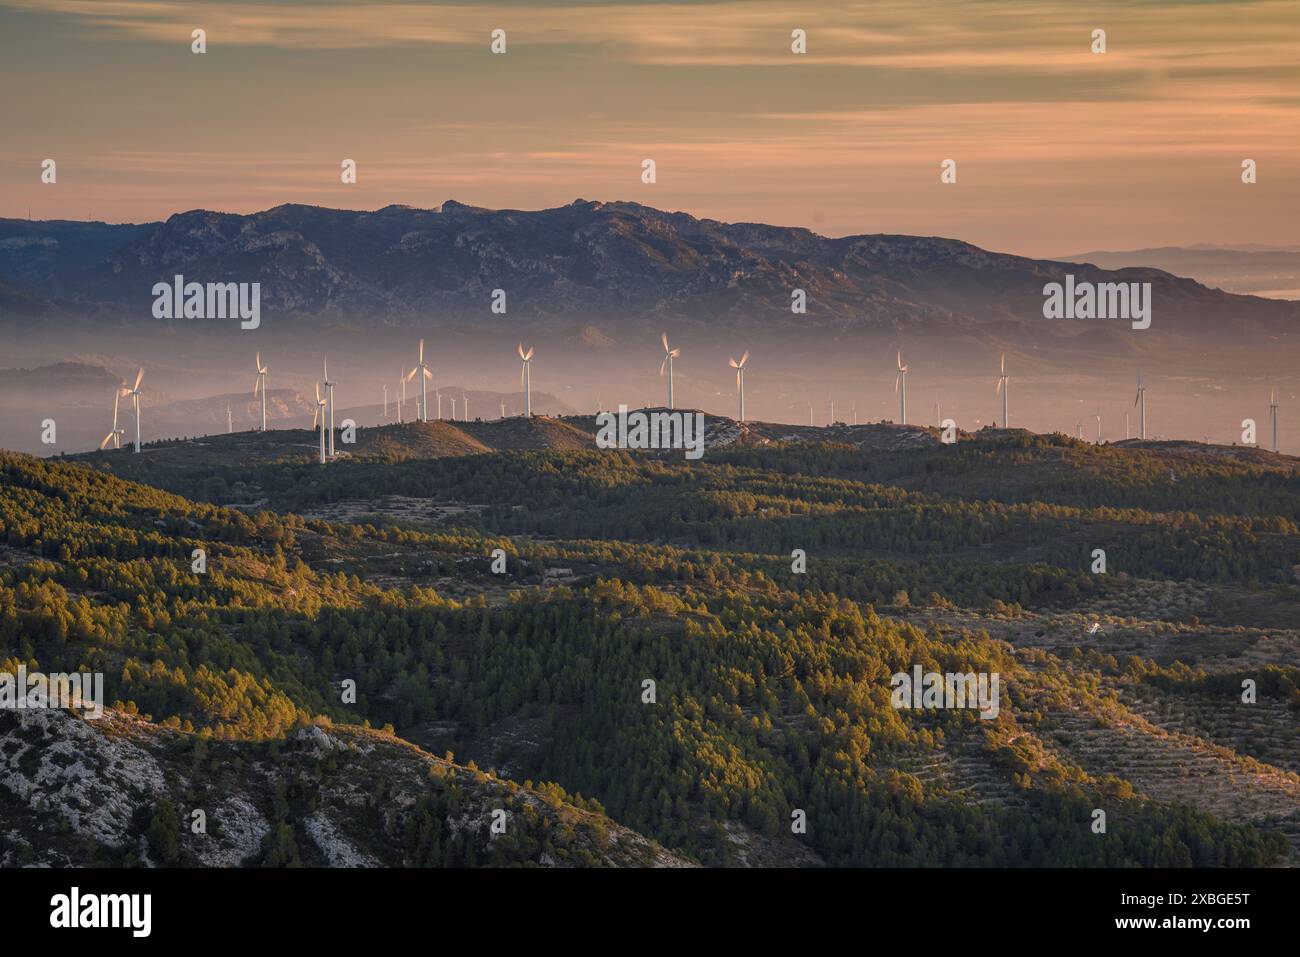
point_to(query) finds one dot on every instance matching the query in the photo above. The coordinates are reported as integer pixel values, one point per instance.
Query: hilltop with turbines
(589, 286)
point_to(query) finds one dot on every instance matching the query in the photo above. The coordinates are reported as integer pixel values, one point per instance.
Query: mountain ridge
(620, 262)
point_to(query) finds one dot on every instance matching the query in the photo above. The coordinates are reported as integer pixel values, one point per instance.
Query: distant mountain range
(606, 265)
(1271, 271)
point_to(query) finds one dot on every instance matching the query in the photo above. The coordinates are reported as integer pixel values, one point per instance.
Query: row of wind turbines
(324, 406)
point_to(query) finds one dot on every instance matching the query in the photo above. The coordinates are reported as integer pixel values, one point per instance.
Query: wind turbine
(740, 380)
(1272, 412)
(424, 398)
(464, 407)
(832, 413)
(810, 413)
(260, 384)
(1126, 428)
(855, 411)
(230, 421)
(319, 416)
(115, 434)
(385, 400)
(900, 387)
(938, 419)
(1079, 430)
(401, 383)
(1141, 401)
(1099, 425)
(503, 408)
(329, 399)
(1003, 387)
(669, 356)
(526, 379)
(134, 393)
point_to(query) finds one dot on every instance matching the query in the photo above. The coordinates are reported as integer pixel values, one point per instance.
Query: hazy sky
(1059, 150)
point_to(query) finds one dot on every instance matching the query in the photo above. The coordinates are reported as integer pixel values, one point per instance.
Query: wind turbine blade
(998, 390)
(521, 351)
(900, 361)
(664, 337)
(743, 358)
(138, 376)
(530, 352)
(428, 375)
(108, 438)
(1004, 363)
(421, 350)
(259, 362)
(317, 393)
(734, 363)
(664, 365)
(897, 379)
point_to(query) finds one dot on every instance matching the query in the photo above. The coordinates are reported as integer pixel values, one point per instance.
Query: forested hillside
(769, 696)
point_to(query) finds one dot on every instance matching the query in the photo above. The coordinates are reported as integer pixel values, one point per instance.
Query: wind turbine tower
(115, 434)
(318, 417)
(260, 385)
(1141, 403)
(425, 374)
(329, 400)
(740, 380)
(1272, 412)
(527, 379)
(1004, 381)
(134, 393)
(669, 356)
(900, 387)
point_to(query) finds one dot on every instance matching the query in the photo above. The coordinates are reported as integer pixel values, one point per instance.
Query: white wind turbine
(464, 407)
(260, 384)
(855, 411)
(669, 356)
(329, 399)
(900, 387)
(1004, 381)
(385, 401)
(1078, 428)
(115, 434)
(420, 367)
(401, 387)
(938, 418)
(740, 380)
(1272, 413)
(503, 408)
(134, 393)
(230, 420)
(1099, 425)
(1141, 401)
(319, 417)
(525, 378)
(831, 401)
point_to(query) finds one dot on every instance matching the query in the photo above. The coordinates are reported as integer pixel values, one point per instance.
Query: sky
(1058, 149)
